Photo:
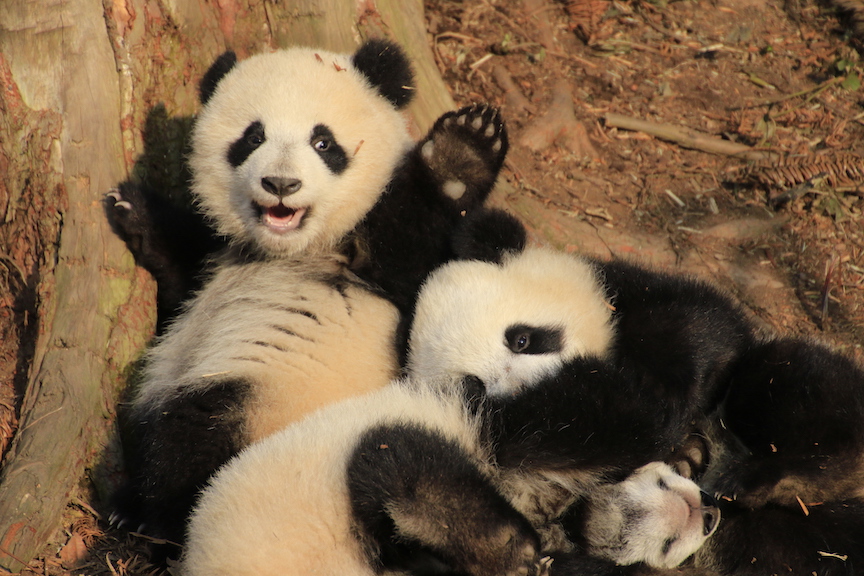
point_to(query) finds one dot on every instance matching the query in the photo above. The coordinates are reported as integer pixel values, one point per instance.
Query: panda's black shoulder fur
(827, 541)
(388, 69)
(679, 333)
(796, 412)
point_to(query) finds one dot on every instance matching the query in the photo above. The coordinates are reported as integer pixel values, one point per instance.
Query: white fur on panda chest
(301, 342)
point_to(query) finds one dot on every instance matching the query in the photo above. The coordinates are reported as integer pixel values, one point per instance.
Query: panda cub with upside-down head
(784, 453)
(447, 473)
(333, 216)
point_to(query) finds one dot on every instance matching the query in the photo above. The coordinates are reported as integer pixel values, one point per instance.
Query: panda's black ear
(488, 234)
(387, 68)
(217, 71)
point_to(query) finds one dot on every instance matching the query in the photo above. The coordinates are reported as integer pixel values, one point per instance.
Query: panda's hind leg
(464, 151)
(422, 505)
(182, 443)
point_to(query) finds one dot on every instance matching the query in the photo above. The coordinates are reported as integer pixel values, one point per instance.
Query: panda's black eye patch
(242, 148)
(324, 143)
(667, 545)
(524, 339)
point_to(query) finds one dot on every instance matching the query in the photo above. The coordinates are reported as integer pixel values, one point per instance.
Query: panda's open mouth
(281, 219)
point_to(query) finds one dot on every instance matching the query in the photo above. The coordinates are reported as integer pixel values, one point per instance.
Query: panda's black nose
(710, 514)
(279, 186)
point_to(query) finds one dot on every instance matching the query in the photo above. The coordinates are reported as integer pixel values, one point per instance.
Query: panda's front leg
(421, 504)
(591, 415)
(170, 241)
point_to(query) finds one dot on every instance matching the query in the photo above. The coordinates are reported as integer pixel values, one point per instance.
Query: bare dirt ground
(784, 233)
(736, 71)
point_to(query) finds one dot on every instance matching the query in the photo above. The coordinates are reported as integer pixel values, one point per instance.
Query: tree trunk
(93, 92)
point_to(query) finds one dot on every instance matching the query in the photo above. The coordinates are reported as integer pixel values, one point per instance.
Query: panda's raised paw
(126, 209)
(464, 152)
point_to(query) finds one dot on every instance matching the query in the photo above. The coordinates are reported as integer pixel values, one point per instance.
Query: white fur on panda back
(290, 92)
(465, 307)
(282, 506)
(349, 343)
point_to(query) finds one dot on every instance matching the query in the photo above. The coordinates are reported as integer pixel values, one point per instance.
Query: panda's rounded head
(292, 148)
(509, 323)
(653, 516)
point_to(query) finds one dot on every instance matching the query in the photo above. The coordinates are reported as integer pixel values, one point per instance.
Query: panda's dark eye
(522, 342)
(662, 484)
(325, 144)
(255, 139)
(243, 147)
(522, 339)
(667, 545)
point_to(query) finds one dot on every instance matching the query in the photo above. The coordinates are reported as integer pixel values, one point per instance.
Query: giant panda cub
(784, 452)
(435, 474)
(406, 480)
(302, 161)
(524, 323)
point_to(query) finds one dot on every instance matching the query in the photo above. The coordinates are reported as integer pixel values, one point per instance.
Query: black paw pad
(464, 152)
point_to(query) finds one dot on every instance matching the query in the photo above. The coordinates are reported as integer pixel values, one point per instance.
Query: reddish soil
(742, 71)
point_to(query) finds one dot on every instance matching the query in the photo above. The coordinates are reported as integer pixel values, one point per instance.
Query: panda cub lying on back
(446, 473)
(404, 480)
(333, 216)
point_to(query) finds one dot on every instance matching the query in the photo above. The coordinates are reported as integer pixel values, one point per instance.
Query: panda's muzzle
(280, 218)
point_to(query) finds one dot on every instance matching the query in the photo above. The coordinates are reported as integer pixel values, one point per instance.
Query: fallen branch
(688, 138)
(559, 125)
(513, 97)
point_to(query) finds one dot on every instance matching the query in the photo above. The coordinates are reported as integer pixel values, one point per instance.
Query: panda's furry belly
(298, 337)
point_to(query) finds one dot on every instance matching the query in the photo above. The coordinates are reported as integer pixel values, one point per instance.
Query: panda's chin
(282, 219)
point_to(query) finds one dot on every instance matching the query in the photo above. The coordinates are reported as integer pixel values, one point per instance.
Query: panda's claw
(543, 567)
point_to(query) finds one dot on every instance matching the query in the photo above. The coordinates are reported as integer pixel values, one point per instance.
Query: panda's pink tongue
(282, 219)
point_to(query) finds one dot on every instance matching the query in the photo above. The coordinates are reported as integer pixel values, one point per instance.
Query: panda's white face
(509, 324)
(654, 516)
(293, 149)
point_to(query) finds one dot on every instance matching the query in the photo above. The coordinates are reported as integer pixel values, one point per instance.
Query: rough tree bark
(91, 93)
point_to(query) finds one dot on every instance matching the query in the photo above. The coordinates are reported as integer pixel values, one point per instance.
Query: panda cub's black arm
(447, 176)
(591, 414)
(171, 241)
